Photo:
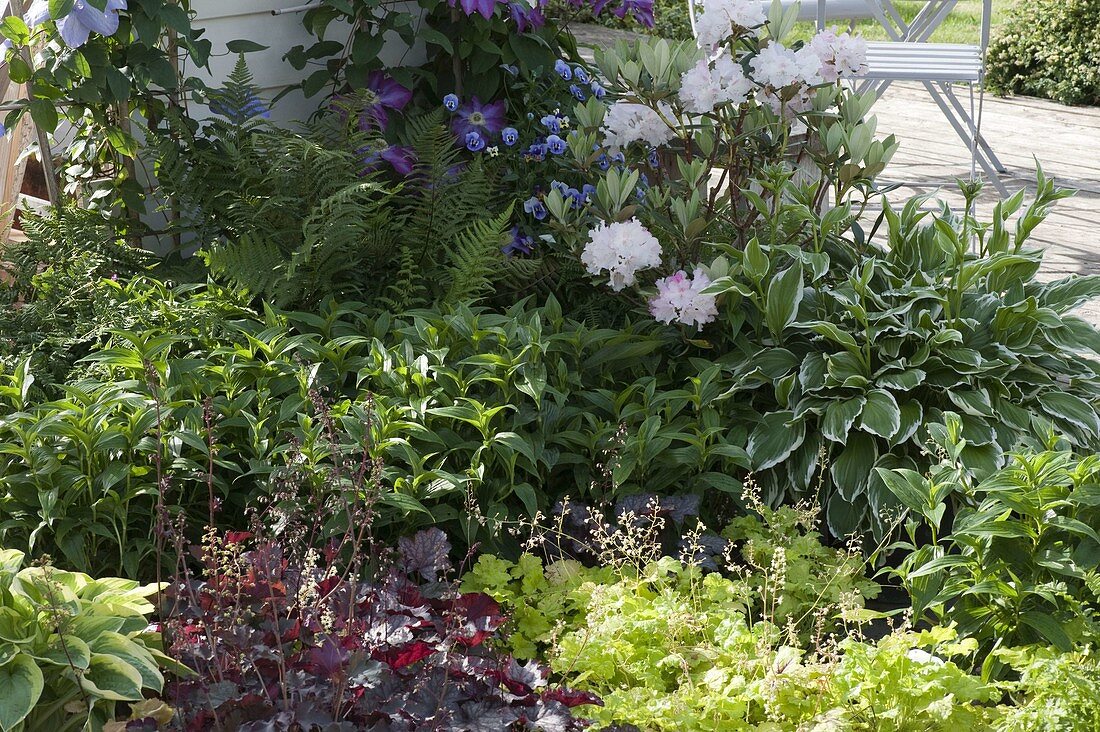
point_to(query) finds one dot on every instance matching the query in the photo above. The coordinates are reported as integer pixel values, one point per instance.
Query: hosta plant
(74, 651)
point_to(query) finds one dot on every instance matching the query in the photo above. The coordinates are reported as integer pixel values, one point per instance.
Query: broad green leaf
(122, 648)
(840, 415)
(1049, 628)
(1072, 409)
(842, 517)
(21, 685)
(852, 468)
(774, 440)
(908, 486)
(783, 298)
(67, 650)
(881, 415)
(111, 678)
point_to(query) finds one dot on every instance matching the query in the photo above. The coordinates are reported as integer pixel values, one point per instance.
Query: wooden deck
(1065, 140)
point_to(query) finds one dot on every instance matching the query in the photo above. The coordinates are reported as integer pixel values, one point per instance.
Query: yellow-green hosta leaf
(111, 678)
(119, 646)
(65, 650)
(21, 685)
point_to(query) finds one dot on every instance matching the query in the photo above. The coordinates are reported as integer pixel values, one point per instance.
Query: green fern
(475, 256)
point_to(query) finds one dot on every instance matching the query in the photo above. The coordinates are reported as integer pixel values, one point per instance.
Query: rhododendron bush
(685, 140)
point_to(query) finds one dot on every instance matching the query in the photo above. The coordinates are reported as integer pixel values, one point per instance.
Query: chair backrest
(838, 9)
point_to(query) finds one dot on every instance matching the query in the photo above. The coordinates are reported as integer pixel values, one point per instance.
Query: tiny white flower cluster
(627, 122)
(705, 86)
(722, 19)
(621, 249)
(680, 298)
(841, 55)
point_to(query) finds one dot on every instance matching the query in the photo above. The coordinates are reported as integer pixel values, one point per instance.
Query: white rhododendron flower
(841, 55)
(720, 18)
(621, 249)
(705, 86)
(681, 298)
(627, 122)
(778, 66)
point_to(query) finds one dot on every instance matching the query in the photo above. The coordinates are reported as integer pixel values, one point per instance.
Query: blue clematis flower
(475, 142)
(520, 244)
(555, 144)
(451, 102)
(81, 22)
(563, 69)
(509, 136)
(533, 206)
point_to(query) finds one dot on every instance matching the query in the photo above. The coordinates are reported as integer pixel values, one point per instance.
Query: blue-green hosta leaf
(774, 439)
(853, 466)
(911, 418)
(972, 401)
(843, 517)
(1069, 408)
(901, 380)
(881, 415)
(840, 415)
(784, 295)
(21, 685)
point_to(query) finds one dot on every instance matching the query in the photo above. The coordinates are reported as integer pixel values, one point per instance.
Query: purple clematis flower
(642, 10)
(473, 116)
(526, 17)
(382, 93)
(401, 159)
(483, 7)
(520, 244)
(81, 22)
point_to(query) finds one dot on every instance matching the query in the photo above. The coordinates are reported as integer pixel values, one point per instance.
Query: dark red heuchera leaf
(571, 697)
(402, 656)
(396, 653)
(425, 553)
(481, 617)
(236, 537)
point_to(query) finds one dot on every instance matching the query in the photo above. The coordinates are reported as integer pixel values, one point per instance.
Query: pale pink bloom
(681, 299)
(841, 55)
(710, 84)
(777, 66)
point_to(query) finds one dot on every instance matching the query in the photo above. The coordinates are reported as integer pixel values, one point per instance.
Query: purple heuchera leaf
(425, 553)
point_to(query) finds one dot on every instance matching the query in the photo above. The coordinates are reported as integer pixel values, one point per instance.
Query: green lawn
(962, 26)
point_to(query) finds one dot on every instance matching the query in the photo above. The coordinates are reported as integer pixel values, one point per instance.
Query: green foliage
(295, 217)
(478, 417)
(56, 305)
(671, 648)
(1022, 562)
(464, 52)
(852, 351)
(72, 647)
(1056, 692)
(106, 88)
(783, 576)
(1048, 48)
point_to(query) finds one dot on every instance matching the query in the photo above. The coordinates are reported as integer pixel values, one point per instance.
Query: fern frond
(475, 256)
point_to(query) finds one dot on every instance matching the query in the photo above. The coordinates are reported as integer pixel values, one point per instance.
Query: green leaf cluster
(73, 649)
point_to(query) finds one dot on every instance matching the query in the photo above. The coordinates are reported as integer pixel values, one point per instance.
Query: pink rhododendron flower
(681, 298)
